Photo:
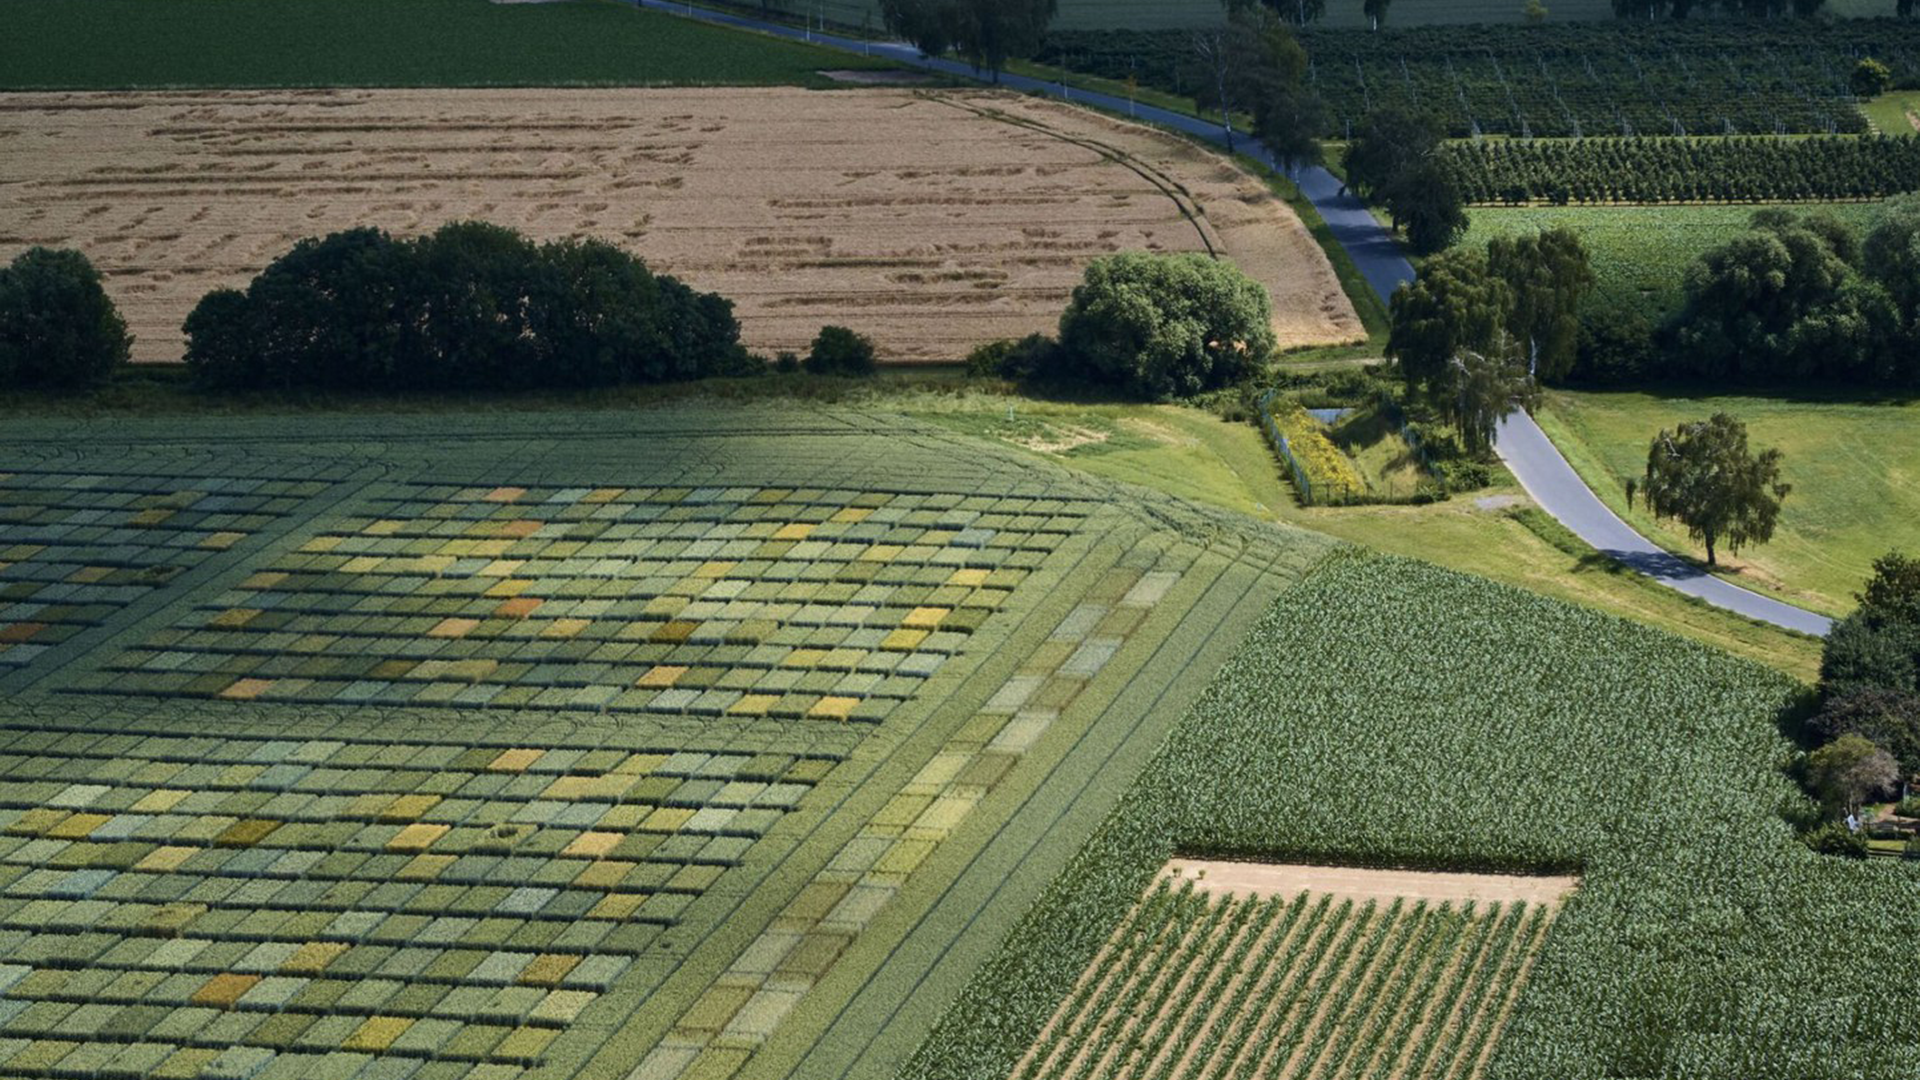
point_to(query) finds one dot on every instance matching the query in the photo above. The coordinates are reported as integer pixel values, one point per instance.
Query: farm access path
(1525, 449)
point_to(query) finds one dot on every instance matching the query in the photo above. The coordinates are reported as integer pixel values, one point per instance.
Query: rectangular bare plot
(933, 222)
(1205, 981)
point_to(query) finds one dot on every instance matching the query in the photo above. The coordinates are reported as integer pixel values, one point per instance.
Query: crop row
(1744, 169)
(1391, 713)
(1560, 80)
(1304, 986)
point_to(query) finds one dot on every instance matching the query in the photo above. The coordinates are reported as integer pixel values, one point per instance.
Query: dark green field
(110, 44)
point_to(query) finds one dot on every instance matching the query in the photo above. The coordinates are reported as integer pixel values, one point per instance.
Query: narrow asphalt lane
(1552, 483)
(1532, 458)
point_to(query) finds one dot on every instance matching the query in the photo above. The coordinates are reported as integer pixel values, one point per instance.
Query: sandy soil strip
(1278, 879)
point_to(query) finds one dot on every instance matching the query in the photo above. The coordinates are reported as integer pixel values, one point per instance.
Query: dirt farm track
(931, 221)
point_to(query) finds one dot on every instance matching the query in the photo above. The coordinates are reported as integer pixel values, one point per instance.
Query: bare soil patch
(932, 221)
(1276, 879)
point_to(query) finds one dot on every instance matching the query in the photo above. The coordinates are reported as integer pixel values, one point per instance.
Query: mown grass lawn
(1854, 464)
(1641, 253)
(114, 44)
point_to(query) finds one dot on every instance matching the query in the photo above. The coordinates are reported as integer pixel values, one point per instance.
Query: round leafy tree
(1702, 474)
(1161, 326)
(58, 329)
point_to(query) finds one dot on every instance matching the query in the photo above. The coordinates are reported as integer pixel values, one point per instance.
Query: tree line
(470, 306)
(473, 306)
(1864, 734)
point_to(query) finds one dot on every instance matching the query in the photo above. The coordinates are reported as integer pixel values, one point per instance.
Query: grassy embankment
(1492, 533)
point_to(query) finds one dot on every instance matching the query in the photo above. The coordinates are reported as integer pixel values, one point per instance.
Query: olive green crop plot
(712, 601)
(76, 547)
(559, 745)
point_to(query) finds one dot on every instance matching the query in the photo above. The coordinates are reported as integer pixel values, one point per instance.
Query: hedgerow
(1391, 713)
(1746, 169)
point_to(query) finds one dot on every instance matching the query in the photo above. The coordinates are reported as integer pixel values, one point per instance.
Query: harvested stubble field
(931, 221)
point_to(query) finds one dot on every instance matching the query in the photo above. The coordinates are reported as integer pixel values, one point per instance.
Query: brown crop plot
(932, 221)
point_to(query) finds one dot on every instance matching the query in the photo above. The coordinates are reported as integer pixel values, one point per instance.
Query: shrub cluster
(839, 351)
(470, 307)
(58, 329)
(1797, 298)
(1745, 169)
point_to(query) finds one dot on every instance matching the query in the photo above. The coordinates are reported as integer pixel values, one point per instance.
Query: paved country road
(1526, 450)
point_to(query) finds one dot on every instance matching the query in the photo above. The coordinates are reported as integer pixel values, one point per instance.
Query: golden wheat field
(932, 221)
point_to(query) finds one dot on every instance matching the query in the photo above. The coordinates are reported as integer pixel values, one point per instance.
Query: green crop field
(110, 44)
(1849, 460)
(1193, 985)
(482, 746)
(1390, 713)
(1641, 253)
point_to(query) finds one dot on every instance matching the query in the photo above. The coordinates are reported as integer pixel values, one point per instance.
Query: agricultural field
(1745, 169)
(1850, 460)
(1186, 14)
(333, 43)
(1388, 713)
(1288, 979)
(496, 745)
(1641, 253)
(1587, 79)
(439, 743)
(933, 222)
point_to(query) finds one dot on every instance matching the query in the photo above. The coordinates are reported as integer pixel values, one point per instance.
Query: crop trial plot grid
(743, 602)
(77, 547)
(180, 905)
